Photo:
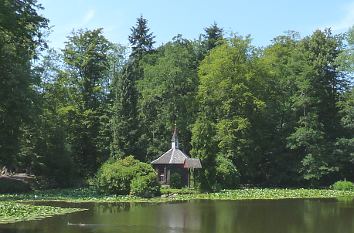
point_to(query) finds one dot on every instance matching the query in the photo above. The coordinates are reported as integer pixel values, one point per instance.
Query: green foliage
(205, 148)
(344, 146)
(168, 92)
(125, 118)
(345, 60)
(87, 59)
(126, 126)
(21, 38)
(116, 177)
(280, 115)
(145, 186)
(227, 175)
(89, 195)
(343, 185)
(318, 85)
(213, 36)
(140, 38)
(230, 101)
(176, 180)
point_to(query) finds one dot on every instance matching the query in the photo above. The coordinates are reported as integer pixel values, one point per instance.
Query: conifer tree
(141, 40)
(213, 36)
(125, 122)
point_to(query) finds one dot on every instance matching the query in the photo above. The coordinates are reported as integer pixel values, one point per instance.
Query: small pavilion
(175, 161)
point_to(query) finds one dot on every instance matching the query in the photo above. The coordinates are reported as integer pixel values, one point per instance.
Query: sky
(262, 19)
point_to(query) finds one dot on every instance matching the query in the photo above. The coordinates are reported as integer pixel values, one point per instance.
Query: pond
(204, 216)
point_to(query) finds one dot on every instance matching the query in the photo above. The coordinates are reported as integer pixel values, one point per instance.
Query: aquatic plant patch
(252, 194)
(11, 212)
(89, 195)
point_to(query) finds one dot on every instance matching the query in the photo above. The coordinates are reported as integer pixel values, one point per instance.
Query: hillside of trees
(280, 115)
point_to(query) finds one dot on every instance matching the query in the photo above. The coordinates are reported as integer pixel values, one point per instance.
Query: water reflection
(293, 216)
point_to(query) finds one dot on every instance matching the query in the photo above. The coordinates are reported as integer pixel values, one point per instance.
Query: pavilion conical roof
(172, 156)
(176, 156)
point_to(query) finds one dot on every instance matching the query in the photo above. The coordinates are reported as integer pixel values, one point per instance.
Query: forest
(275, 116)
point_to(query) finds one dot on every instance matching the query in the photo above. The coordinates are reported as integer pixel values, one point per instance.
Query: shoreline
(21, 207)
(89, 195)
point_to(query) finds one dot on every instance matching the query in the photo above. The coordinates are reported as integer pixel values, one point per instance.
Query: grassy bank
(13, 207)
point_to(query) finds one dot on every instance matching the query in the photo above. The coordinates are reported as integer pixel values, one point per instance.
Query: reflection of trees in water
(279, 216)
(267, 216)
(328, 215)
(346, 202)
(183, 217)
(113, 208)
(260, 216)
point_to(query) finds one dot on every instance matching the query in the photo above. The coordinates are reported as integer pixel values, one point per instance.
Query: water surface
(256, 216)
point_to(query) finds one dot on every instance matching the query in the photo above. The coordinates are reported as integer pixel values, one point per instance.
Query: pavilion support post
(168, 176)
(193, 178)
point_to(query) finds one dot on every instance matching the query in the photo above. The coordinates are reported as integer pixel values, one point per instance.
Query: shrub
(176, 180)
(227, 175)
(145, 186)
(115, 177)
(343, 185)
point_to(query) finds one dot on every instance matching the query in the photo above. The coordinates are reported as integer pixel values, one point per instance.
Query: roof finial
(174, 138)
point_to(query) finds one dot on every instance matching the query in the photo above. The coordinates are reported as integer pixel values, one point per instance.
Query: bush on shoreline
(127, 176)
(145, 186)
(343, 185)
(227, 176)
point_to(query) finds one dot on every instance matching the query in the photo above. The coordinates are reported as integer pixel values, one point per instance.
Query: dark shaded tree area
(275, 116)
(19, 45)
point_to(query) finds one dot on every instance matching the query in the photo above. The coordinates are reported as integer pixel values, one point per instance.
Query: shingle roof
(176, 156)
(172, 156)
(192, 163)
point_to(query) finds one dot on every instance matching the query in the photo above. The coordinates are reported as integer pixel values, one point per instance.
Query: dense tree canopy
(87, 67)
(168, 92)
(280, 115)
(125, 123)
(21, 36)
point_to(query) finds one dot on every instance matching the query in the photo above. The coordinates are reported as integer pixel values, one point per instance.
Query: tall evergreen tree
(213, 36)
(141, 40)
(125, 123)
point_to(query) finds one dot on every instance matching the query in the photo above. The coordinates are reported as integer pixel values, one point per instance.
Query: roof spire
(174, 138)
